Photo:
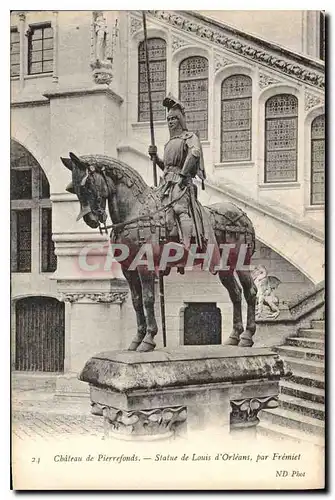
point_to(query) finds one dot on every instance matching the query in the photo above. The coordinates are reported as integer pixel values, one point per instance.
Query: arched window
(318, 160)
(30, 215)
(236, 92)
(281, 138)
(193, 93)
(157, 66)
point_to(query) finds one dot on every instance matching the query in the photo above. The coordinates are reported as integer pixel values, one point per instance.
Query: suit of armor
(182, 161)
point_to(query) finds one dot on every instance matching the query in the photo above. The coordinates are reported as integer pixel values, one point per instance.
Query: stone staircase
(301, 412)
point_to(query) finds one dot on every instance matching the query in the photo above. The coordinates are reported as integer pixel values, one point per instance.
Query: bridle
(101, 212)
(99, 205)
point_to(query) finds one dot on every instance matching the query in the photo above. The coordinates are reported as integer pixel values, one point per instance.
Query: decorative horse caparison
(98, 179)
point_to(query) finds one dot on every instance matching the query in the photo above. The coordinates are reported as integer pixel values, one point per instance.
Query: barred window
(193, 93)
(157, 68)
(236, 92)
(30, 213)
(318, 160)
(281, 133)
(21, 234)
(48, 257)
(40, 49)
(14, 52)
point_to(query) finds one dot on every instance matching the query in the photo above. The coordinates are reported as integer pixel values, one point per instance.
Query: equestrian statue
(168, 217)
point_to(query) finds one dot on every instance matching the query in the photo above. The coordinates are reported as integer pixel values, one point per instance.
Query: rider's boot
(186, 226)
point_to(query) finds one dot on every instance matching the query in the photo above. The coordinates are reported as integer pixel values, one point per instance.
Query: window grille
(21, 230)
(157, 68)
(14, 52)
(48, 257)
(40, 49)
(193, 93)
(281, 133)
(236, 118)
(318, 160)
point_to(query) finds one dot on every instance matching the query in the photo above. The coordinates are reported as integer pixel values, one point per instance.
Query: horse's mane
(119, 172)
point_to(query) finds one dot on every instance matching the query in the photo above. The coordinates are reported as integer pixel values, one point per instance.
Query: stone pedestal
(195, 388)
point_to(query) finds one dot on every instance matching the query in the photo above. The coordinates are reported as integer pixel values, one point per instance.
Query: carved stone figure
(101, 31)
(267, 302)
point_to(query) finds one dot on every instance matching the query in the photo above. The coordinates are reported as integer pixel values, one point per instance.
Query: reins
(103, 228)
(120, 225)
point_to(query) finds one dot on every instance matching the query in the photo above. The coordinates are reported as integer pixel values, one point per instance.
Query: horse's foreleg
(235, 294)
(135, 286)
(148, 292)
(250, 294)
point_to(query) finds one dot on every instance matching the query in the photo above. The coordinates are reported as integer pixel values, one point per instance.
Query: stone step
(280, 432)
(311, 333)
(293, 420)
(302, 391)
(314, 367)
(34, 381)
(306, 342)
(300, 352)
(302, 406)
(318, 323)
(308, 379)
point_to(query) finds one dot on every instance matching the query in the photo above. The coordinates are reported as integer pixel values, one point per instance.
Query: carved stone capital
(101, 74)
(244, 412)
(22, 16)
(135, 25)
(221, 62)
(117, 297)
(312, 100)
(266, 80)
(158, 423)
(177, 43)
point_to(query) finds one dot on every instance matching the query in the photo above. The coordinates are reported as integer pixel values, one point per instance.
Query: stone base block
(195, 388)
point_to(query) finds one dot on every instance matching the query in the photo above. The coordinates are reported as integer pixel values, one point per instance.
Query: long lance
(152, 134)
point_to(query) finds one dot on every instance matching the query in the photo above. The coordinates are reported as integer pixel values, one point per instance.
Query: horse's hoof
(231, 341)
(246, 343)
(145, 347)
(133, 346)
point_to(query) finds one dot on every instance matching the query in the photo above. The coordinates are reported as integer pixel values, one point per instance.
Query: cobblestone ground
(28, 425)
(38, 414)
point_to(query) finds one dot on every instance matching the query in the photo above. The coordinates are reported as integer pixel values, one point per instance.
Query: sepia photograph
(167, 248)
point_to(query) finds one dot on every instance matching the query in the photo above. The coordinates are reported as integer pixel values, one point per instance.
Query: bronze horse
(137, 217)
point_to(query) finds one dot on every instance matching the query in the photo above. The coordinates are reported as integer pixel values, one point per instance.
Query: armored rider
(182, 161)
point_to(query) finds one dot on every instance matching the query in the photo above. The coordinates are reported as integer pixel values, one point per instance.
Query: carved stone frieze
(244, 412)
(159, 422)
(266, 80)
(135, 25)
(256, 53)
(312, 100)
(221, 62)
(99, 297)
(177, 43)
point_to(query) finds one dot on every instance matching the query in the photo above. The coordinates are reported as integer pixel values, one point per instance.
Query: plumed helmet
(176, 108)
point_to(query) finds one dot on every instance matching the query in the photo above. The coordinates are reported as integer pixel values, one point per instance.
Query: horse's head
(90, 185)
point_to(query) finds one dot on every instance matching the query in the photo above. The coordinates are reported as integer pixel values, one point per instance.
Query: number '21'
(36, 460)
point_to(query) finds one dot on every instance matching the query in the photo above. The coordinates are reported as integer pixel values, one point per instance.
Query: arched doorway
(39, 344)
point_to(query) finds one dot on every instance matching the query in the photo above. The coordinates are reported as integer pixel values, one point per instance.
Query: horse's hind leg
(250, 294)
(148, 291)
(235, 294)
(135, 286)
